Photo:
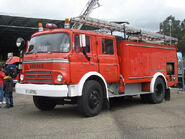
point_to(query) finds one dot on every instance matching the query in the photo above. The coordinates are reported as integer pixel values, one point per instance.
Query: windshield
(48, 43)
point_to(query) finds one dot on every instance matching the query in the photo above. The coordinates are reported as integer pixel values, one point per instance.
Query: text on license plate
(33, 92)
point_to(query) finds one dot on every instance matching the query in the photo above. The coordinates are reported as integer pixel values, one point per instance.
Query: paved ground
(131, 119)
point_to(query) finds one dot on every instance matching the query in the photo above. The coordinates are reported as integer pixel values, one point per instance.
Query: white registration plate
(31, 92)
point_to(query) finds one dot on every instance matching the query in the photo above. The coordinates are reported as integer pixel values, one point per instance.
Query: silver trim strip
(129, 94)
(145, 77)
(46, 61)
(147, 46)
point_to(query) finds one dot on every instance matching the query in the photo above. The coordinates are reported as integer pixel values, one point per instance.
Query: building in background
(12, 27)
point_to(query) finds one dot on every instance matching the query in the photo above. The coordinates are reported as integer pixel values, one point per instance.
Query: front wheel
(44, 103)
(159, 91)
(91, 101)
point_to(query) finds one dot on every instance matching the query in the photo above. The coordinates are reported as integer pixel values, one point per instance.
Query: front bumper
(42, 90)
(14, 81)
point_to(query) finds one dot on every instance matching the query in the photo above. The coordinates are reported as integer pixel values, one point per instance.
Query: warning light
(67, 25)
(176, 43)
(40, 26)
(67, 20)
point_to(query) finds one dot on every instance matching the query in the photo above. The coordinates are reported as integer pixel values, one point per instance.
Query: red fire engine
(88, 68)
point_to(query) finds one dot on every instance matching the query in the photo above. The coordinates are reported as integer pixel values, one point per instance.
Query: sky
(145, 14)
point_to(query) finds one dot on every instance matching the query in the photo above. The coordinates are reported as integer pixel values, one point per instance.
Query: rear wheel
(44, 103)
(91, 101)
(159, 91)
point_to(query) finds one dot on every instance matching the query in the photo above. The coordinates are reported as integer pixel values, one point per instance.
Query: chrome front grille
(38, 77)
(30, 76)
(44, 76)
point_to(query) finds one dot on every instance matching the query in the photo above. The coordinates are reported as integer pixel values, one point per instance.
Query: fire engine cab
(88, 68)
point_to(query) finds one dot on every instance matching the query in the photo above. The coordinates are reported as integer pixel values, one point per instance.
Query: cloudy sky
(140, 13)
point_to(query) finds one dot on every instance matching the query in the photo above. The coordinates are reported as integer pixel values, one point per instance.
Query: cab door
(79, 63)
(108, 59)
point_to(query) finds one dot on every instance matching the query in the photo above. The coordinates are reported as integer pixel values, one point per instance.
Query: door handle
(91, 63)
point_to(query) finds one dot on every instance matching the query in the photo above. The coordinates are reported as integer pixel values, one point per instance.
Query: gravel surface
(127, 119)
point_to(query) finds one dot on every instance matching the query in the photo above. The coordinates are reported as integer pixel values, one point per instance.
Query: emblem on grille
(36, 66)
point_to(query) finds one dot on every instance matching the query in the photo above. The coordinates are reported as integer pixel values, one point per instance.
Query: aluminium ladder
(148, 36)
(91, 5)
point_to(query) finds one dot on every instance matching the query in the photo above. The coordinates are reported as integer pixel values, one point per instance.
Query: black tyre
(144, 98)
(159, 92)
(44, 103)
(91, 101)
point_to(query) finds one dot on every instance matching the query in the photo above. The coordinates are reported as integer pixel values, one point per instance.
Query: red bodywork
(135, 61)
(139, 61)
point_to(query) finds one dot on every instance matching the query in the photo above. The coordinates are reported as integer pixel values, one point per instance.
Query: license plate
(32, 92)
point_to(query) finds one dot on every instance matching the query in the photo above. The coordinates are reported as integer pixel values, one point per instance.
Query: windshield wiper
(54, 51)
(37, 52)
(29, 53)
(41, 52)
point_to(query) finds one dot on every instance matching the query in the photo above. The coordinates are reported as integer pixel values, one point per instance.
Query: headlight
(21, 77)
(59, 78)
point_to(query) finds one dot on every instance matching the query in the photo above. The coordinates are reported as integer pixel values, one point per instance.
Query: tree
(177, 29)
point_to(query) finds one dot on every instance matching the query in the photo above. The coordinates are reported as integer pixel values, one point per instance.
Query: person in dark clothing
(8, 89)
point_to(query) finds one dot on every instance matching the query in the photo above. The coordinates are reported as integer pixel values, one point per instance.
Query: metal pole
(183, 85)
(170, 22)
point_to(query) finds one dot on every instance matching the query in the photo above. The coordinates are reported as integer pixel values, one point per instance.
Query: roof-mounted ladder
(147, 36)
(91, 5)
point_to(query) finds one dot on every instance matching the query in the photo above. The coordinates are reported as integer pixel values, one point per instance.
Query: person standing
(2, 75)
(8, 89)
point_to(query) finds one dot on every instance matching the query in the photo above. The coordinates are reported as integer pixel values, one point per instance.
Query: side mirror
(82, 40)
(20, 43)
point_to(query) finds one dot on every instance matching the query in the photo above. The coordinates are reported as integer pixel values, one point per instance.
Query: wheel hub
(159, 89)
(94, 99)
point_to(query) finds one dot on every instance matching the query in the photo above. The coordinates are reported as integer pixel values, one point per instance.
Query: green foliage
(177, 28)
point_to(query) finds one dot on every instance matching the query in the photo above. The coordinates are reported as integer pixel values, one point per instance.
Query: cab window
(77, 44)
(107, 46)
